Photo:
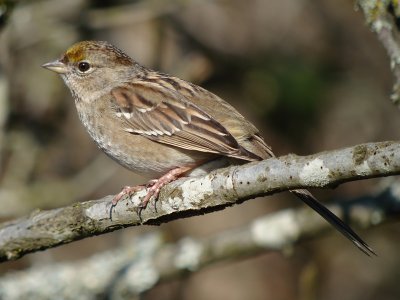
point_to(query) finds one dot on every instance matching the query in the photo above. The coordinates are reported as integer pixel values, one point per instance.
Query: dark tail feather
(311, 201)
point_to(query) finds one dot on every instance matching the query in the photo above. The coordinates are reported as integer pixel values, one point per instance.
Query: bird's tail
(311, 201)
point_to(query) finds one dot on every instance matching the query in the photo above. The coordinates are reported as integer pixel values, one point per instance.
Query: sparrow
(157, 124)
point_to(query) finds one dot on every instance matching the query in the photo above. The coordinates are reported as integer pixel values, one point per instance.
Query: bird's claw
(126, 191)
(154, 186)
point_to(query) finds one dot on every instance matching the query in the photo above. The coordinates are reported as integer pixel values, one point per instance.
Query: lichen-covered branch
(196, 196)
(150, 259)
(382, 21)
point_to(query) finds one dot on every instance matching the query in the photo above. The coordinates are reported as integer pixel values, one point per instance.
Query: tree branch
(150, 259)
(196, 196)
(382, 21)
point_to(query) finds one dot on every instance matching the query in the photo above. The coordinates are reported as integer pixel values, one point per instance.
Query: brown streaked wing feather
(167, 117)
(245, 133)
(262, 149)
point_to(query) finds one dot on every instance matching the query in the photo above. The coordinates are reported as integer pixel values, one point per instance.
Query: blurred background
(309, 74)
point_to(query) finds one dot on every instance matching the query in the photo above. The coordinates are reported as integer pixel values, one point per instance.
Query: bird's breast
(133, 151)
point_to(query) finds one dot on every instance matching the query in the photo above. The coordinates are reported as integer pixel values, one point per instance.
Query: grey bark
(196, 196)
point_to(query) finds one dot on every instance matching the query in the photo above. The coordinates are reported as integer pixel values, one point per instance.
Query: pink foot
(126, 191)
(154, 186)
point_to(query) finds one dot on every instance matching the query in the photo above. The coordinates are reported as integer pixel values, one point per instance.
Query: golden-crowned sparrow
(154, 123)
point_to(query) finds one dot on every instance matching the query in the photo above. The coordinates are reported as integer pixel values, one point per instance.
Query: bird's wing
(164, 115)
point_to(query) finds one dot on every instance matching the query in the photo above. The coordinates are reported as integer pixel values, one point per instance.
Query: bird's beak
(56, 66)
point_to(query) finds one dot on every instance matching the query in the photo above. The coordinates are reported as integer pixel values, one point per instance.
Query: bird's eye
(83, 66)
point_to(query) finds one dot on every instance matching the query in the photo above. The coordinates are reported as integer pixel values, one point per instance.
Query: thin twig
(382, 22)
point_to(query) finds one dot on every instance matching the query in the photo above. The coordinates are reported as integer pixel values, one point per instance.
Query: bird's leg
(154, 186)
(127, 190)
